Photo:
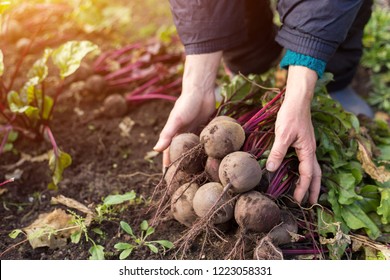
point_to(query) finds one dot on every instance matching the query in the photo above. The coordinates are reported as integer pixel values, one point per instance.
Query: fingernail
(270, 166)
(156, 147)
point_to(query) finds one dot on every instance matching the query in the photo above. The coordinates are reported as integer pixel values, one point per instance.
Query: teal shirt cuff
(293, 58)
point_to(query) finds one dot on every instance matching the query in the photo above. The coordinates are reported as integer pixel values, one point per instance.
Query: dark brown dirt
(104, 163)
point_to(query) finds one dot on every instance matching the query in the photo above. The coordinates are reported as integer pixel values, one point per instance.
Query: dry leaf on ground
(71, 203)
(50, 230)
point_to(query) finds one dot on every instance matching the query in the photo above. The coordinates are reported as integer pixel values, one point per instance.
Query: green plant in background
(101, 16)
(376, 57)
(356, 173)
(29, 111)
(140, 241)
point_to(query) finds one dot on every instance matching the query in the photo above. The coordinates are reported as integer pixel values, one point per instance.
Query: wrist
(200, 72)
(301, 82)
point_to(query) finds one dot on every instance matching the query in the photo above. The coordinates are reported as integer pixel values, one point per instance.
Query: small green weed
(140, 241)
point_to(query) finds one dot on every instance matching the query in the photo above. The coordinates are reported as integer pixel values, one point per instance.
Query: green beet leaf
(346, 184)
(355, 218)
(29, 91)
(16, 105)
(39, 69)
(236, 88)
(47, 107)
(384, 207)
(371, 198)
(57, 163)
(14, 101)
(68, 56)
(384, 152)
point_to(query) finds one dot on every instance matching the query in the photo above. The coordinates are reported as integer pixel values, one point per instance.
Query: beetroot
(221, 138)
(114, 106)
(181, 204)
(96, 85)
(208, 198)
(241, 170)
(256, 212)
(183, 143)
(211, 169)
(281, 234)
(175, 177)
(223, 118)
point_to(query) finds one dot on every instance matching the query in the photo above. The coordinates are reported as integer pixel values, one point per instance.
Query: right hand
(196, 103)
(293, 127)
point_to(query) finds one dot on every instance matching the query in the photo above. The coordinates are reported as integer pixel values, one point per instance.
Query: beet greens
(29, 110)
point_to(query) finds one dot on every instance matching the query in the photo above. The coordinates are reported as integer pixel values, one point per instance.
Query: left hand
(294, 128)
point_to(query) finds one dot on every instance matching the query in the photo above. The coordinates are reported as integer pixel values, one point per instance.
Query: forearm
(301, 82)
(200, 72)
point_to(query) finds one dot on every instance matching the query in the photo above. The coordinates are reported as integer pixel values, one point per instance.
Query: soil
(104, 163)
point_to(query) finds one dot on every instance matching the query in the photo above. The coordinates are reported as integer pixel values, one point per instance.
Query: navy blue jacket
(311, 27)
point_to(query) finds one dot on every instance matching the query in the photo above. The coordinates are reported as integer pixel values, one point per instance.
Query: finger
(277, 154)
(315, 183)
(169, 131)
(306, 162)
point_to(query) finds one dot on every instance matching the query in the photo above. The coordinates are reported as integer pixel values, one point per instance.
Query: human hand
(293, 128)
(196, 103)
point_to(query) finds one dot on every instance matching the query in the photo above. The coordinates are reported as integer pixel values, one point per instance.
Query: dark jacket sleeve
(206, 26)
(315, 27)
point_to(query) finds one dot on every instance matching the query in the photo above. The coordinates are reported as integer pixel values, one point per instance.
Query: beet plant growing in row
(143, 71)
(29, 110)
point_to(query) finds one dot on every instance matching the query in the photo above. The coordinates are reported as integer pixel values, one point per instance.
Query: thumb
(169, 131)
(165, 139)
(277, 154)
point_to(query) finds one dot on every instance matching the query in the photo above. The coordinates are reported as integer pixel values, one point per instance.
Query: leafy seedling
(140, 241)
(104, 212)
(110, 205)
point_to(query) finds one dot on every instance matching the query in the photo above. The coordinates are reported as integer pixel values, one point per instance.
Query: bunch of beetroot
(219, 175)
(131, 74)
